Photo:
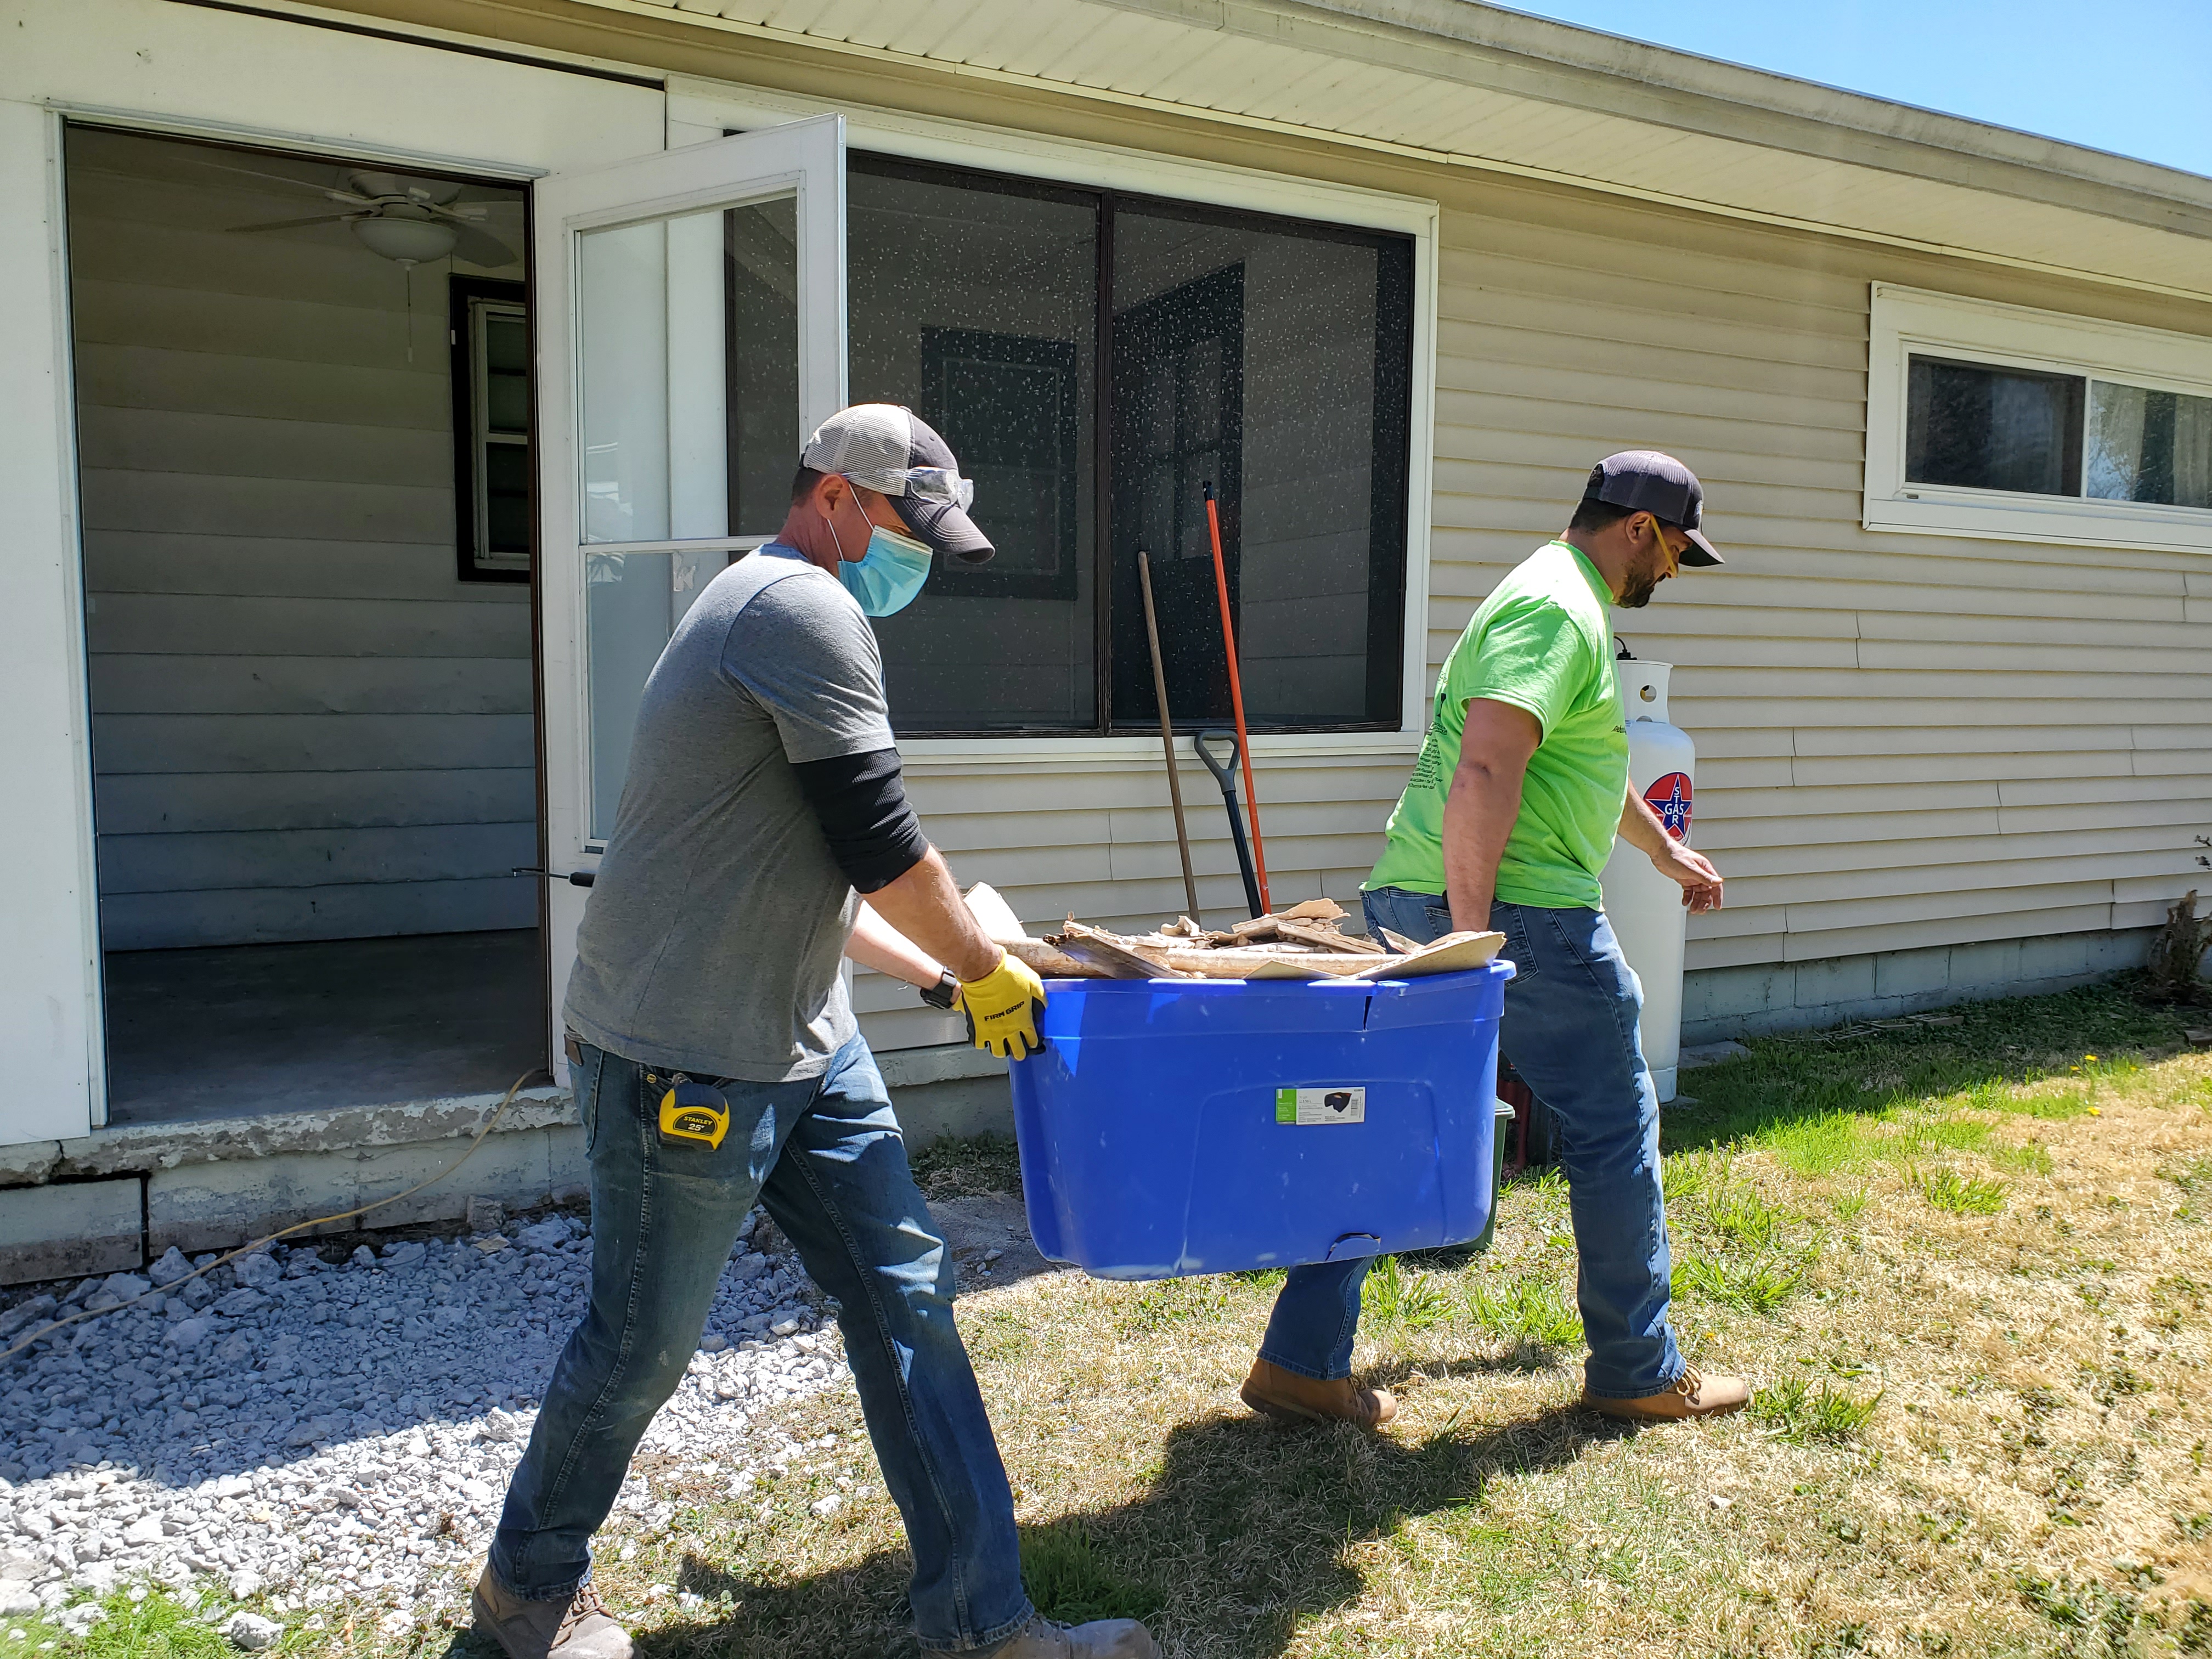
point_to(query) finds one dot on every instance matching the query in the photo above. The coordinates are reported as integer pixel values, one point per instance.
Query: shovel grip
(1224, 772)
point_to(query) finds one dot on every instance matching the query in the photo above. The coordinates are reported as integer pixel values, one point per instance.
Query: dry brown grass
(1967, 1267)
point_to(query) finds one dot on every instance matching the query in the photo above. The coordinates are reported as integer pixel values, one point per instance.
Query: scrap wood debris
(1857, 1028)
(1304, 941)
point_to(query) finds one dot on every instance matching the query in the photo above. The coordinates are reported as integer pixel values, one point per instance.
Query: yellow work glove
(1003, 1008)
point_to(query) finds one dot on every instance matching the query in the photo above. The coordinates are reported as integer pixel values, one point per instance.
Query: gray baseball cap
(893, 451)
(1645, 481)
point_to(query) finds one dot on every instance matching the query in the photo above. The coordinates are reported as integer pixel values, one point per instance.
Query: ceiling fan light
(411, 241)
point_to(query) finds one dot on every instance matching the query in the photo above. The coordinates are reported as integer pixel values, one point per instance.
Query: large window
(1095, 360)
(1988, 420)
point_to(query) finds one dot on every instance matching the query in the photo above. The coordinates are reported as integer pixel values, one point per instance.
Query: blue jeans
(1571, 1031)
(825, 1157)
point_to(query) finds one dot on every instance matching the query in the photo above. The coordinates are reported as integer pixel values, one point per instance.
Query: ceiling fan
(403, 218)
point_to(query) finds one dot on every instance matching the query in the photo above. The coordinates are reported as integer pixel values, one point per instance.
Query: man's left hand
(1700, 882)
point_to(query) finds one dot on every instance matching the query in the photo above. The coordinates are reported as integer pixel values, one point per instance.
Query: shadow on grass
(1241, 1536)
(1791, 1085)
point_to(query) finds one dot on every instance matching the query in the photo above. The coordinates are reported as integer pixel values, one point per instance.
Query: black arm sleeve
(860, 800)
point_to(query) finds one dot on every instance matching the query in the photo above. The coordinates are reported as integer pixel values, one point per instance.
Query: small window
(1990, 420)
(490, 333)
(2147, 445)
(1994, 428)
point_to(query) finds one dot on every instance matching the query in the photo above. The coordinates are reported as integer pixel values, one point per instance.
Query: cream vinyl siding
(1903, 740)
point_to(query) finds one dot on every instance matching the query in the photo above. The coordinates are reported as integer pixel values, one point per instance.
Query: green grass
(1396, 1295)
(1760, 1285)
(1744, 1220)
(1531, 1310)
(1810, 1103)
(1947, 1189)
(1826, 1143)
(1171, 1302)
(1071, 1579)
(157, 1625)
(1795, 1411)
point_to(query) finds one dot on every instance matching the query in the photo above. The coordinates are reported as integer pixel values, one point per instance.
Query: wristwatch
(943, 994)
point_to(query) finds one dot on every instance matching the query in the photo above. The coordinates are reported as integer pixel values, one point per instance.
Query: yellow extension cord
(490, 1123)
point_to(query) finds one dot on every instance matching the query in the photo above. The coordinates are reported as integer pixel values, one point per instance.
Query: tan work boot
(1101, 1639)
(1694, 1395)
(1289, 1398)
(578, 1628)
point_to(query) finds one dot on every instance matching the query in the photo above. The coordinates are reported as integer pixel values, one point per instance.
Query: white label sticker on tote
(1320, 1105)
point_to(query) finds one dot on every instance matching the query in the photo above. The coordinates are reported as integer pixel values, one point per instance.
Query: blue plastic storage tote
(1177, 1126)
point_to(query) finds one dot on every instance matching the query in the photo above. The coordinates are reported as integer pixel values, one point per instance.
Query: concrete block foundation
(204, 1206)
(953, 1091)
(114, 1198)
(68, 1230)
(1804, 996)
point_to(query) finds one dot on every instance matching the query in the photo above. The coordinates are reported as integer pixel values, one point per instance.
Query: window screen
(1094, 362)
(1270, 361)
(973, 302)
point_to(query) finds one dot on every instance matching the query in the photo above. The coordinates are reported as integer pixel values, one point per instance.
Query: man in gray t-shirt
(712, 936)
(715, 1059)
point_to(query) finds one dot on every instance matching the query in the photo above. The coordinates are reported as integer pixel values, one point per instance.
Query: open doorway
(302, 400)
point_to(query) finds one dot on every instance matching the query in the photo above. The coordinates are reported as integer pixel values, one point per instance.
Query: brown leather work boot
(1694, 1395)
(578, 1628)
(1289, 1398)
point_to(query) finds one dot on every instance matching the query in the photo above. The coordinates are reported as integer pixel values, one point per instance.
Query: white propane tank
(1645, 908)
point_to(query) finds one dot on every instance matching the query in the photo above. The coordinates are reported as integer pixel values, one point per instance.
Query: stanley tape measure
(692, 1111)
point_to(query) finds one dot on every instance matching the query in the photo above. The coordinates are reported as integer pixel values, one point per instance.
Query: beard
(1640, 589)
(1643, 582)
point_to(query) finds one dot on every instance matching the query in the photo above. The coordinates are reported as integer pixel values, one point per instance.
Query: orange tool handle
(1237, 694)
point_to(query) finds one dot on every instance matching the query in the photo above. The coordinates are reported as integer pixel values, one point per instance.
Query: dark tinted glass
(506, 374)
(1272, 360)
(1993, 428)
(760, 263)
(507, 497)
(975, 302)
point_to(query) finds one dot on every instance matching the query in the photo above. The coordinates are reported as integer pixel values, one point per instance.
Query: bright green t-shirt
(1542, 641)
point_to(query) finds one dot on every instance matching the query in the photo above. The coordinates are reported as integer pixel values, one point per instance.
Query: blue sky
(2130, 76)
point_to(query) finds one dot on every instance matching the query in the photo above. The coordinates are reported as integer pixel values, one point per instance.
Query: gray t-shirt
(712, 938)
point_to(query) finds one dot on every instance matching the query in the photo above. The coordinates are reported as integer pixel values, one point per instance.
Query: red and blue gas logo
(1670, 798)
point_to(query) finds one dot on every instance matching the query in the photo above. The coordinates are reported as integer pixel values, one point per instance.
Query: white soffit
(1455, 82)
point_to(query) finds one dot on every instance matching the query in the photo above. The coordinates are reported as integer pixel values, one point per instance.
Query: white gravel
(345, 1432)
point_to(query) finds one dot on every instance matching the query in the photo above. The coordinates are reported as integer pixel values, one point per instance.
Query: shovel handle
(1224, 772)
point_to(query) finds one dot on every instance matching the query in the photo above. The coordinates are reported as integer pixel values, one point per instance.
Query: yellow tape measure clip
(692, 1111)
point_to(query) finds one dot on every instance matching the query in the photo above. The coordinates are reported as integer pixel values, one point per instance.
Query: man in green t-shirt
(1510, 816)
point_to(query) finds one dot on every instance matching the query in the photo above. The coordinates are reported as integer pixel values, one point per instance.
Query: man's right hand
(1003, 1008)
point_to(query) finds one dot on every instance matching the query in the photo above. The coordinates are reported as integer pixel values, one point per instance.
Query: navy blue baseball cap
(1645, 481)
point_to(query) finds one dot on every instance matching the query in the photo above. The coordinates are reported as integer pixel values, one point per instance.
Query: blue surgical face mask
(885, 579)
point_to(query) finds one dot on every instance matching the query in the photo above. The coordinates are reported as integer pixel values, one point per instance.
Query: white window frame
(480, 311)
(1905, 321)
(700, 109)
